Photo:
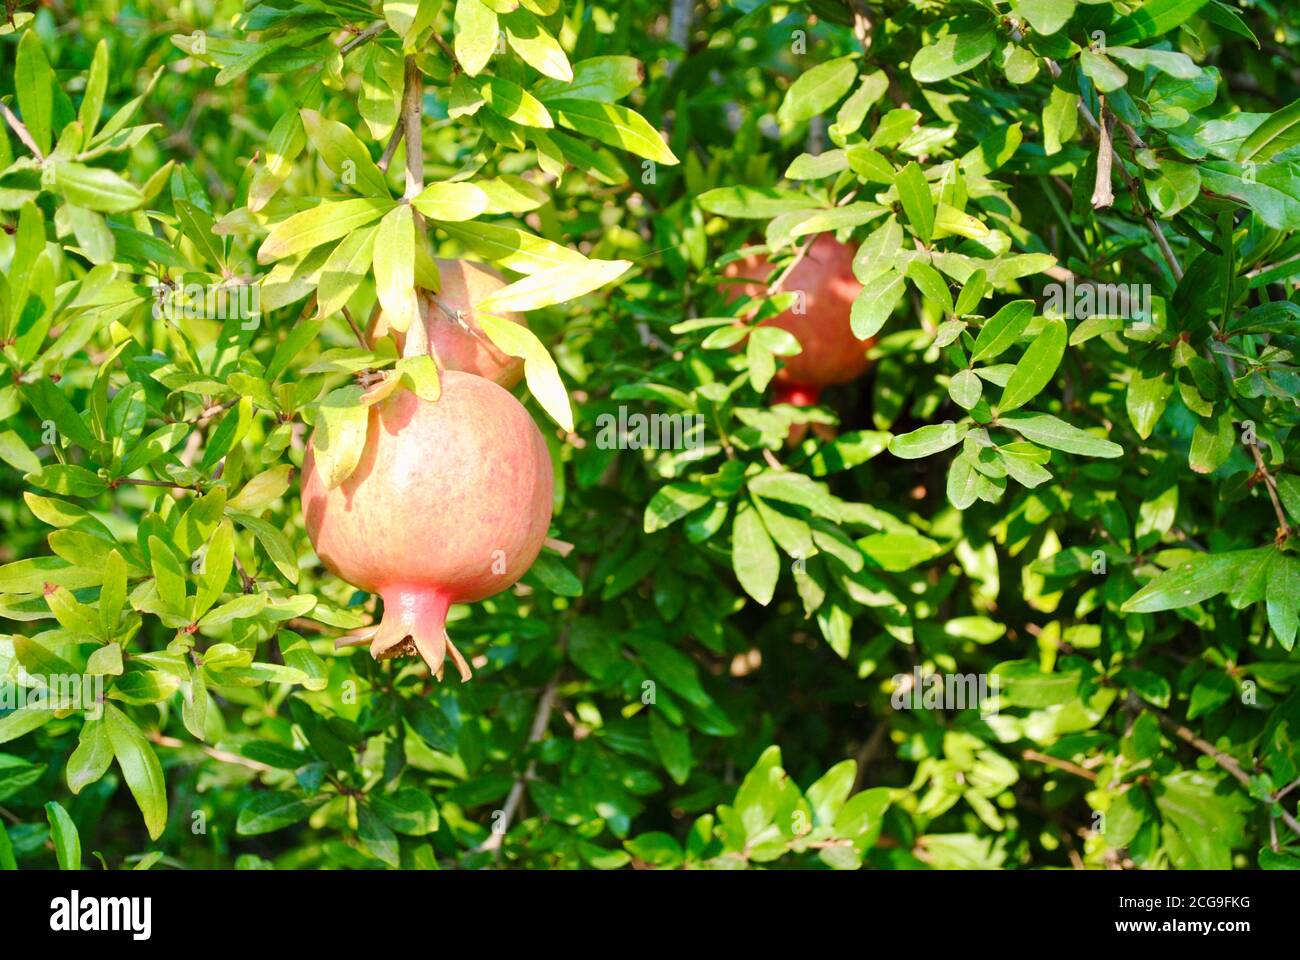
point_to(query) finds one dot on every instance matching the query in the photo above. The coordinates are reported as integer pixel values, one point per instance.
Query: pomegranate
(831, 353)
(455, 339)
(449, 503)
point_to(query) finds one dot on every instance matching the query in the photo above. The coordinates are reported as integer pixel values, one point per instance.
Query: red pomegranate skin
(461, 344)
(831, 353)
(449, 503)
(796, 394)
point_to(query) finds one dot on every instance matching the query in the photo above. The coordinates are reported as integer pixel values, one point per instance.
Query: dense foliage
(1092, 508)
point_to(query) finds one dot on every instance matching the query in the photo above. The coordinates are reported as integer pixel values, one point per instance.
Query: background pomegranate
(459, 344)
(831, 353)
(449, 504)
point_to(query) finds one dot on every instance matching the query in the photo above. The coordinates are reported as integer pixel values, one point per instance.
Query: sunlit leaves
(540, 371)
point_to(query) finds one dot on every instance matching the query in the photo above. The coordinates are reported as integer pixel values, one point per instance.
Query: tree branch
(541, 720)
(412, 109)
(1222, 759)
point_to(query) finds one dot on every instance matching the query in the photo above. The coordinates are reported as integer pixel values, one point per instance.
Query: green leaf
(817, 90)
(1212, 691)
(1045, 16)
(344, 154)
(340, 436)
(52, 404)
(17, 774)
(451, 201)
(140, 768)
(1036, 367)
(1212, 443)
(1146, 399)
(672, 502)
(952, 54)
(34, 82)
(1105, 75)
(615, 125)
(24, 720)
(875, 303)
(17, 454)
(344, 271)
(931, 284)
(1059, 435)
(753, 556)
(7, 861)
(927, 441)
(605, 78)
(755, 203)
(673, 744)
(1191, 581)
(95, 188)
(420, 376)
(268, 812)
(1002, 330)
(67, 842)
(918, 203)
(1060, 119)
(394, 261)
(1279, 132)
(556, 285)
(408, 811)
(476, 32)
(218, 561)
(513, 102)
(262, 490)
(1153, 19)
(899, 551)
(376, 837)
(286, 141)
(510, 247)
(965, 388)
(529, 38)
(321, 224)
(827, 795)
(540, 372)
(1284, 599)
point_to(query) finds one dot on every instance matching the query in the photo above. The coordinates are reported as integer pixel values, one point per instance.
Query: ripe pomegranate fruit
(449, 504)
(455, 339)
(831, 353)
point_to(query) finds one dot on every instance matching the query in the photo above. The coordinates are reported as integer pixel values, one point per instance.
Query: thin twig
(362, 37)
(361, 337)
(24, 134)
(868, 753)
(1060, 764)
(1270, 484)
(391, 148)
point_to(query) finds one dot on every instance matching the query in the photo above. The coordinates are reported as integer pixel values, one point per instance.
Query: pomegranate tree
(449, 503)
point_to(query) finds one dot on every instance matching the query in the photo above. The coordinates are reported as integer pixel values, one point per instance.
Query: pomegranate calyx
(415, 622)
